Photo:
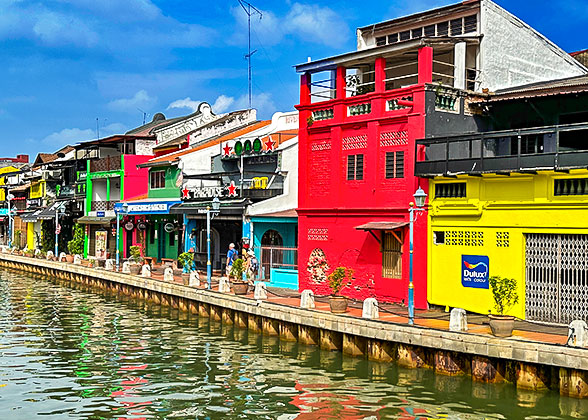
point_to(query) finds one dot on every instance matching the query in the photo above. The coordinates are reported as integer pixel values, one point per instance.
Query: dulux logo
(475, 269)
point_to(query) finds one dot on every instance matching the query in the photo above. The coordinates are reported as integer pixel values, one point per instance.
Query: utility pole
(250, 10)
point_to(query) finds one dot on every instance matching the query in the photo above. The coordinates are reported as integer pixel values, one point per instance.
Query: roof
(175, 156)
(44, 158)
(381, 226)
(91, 220)
(158, 120)
(117, 138)
(576, 84)
(284, 213)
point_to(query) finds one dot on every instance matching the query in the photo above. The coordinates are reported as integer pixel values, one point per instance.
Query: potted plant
(76, 245)
(504, 292)
(240, 287)
(186, 259)
(338, 279)
(135, 260)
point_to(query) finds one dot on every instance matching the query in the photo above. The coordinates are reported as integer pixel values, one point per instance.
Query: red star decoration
(269, 144)
(185, 193)
(232, 189)
(227, 150)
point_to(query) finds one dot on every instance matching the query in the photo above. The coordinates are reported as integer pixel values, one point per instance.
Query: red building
(356, 164)
(360, 114)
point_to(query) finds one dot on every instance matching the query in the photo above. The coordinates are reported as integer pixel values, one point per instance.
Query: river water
(67, 353)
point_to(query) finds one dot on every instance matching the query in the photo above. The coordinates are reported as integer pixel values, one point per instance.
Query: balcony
(103, 205)
(109, 163)
(559, 147)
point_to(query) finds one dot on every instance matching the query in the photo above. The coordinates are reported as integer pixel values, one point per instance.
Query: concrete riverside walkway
(539, 354)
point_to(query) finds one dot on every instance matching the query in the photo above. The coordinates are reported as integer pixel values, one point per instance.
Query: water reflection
(67, 353)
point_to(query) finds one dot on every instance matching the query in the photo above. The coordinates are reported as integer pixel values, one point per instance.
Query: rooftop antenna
(97, 129)
(144, 115)
(250, 10)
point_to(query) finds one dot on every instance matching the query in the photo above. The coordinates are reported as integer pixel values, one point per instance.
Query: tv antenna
(145, 115)
(250, 10)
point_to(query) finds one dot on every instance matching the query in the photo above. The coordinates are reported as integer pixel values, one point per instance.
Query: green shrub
(187, 261)
(76, 245)
(340, 278)
(504, 292)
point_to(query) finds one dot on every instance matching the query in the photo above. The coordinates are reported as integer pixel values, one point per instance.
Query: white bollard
(78, 259)
(168, 274)
(458, 320)
(146, 270)
(577, 333)
(307, 299)
(370, 309)
(223, 285)
(126, 267)
(194, 279)
(50, 255)
(37, 252)
(109, 264)
(260, 292)
(62, 257)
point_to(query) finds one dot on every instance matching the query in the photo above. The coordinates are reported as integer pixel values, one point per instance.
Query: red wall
(136, 179)
(330, 206)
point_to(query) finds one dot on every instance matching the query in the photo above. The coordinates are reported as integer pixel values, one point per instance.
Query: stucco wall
(136, 179)
(512, 53)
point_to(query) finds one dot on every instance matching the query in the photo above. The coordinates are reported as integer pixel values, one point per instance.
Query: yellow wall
(4, 170)
(30, 235)
(515, 205)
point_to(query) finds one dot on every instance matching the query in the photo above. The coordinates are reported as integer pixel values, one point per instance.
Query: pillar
(308, 335)
(215, 313)
(533, 377)
(413, 357)
(459, 65)
(254, 323)
(288, 331)
(354, 345)
(241, 319)
(305, 89)
(488, 370)
(331, 340)
(451, 363)
(382, 351)
(340, 82)
(204, 310)
(380, 74)
(573, 383)
(227, 316)
(425, 65)
(270, 326)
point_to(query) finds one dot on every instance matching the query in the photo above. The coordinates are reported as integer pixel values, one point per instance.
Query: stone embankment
(528, 364)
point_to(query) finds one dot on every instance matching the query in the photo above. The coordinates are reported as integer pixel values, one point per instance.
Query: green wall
(170, 190)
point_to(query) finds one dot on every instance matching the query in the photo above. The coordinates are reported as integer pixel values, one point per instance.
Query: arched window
(272, 238)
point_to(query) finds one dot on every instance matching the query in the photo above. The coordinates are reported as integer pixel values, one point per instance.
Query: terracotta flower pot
(240, 288)
(135, 269)
(69, 258)
(185, 279)
(338, 304)
(501, 325)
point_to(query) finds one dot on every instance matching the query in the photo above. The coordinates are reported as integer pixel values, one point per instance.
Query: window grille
(394, 165)
(380, 41)
(443, 29)
(391, 256)
(157, 179)
(416, 33)
(464, 238)
(456, 26)
(354, 167)
(404, 35)
(470, 24)
(451, 190)
(571, 186)
(430, 30)
(502, 239)
(392, 39)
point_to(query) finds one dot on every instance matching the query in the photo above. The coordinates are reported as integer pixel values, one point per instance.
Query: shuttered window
(391, 255)
(354, 167)
(394, 165)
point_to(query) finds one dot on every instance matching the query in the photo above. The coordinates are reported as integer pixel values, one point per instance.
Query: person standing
(231, 257)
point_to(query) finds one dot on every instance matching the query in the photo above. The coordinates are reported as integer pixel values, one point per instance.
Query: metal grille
(556, 277)
(277, 257)
(391, 257)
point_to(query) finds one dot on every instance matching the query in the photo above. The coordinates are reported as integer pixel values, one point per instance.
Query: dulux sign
(474, 271)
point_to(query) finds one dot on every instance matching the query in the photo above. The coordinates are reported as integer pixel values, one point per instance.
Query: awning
(30, 217)
(147, 206)
(49, 212)
(93, 220)
(381, 226)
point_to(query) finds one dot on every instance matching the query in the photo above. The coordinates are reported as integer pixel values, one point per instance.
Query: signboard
(101, 238)
(209, 192)
(142, 225)
(129, 225)
(254, 146)
(33, 202)
(474, 271)
(100, 214)
(147, 208)
(169, 227)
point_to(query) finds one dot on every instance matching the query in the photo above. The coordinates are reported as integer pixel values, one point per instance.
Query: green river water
(66, 353)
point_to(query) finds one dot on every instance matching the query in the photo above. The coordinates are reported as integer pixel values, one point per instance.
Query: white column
(459, 63)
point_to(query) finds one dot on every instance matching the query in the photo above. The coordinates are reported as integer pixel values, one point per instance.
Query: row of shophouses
(467, 102)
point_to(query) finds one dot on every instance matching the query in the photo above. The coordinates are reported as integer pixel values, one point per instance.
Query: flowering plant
(317, 266)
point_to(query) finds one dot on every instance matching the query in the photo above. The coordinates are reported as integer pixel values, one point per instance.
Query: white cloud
(57, 29)
(141, 99)
(185, 103)
(263, 102)
(312, 23)
(222, 104)
(76, 135)
(125, 11)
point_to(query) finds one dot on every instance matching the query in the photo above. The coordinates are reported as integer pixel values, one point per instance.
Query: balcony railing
(525, 150)
(103, 205)
(109, 163)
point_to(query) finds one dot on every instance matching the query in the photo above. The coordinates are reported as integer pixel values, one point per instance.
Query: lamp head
(215, 204)
(125, 208)
(419, 197)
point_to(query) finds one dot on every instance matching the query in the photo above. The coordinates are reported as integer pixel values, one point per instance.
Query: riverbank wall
(527, 364)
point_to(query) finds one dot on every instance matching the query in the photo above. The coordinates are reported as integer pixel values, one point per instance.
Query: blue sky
(65, 63)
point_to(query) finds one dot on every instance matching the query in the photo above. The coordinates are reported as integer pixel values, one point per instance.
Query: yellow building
(37, 193)
(4, 170)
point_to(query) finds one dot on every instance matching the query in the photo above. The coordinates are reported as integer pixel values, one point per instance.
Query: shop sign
(142, 225)
(33, 202)
(474, 271)
(3, 212)
(129, 225)
(101, 238)
(169, 227)
(209, 192)
(147, 208)
(96, 175)
(100, 214)
(256, 146)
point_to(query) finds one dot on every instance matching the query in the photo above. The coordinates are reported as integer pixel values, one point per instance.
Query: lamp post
(209, 215)
(123, 210)
(57, 231)
(9, 197)
(419, 201)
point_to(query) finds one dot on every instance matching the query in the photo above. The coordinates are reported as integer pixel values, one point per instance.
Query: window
(439, 238)
(381, 40)
(456, 27)
(172, 238)
(392, 255)
(392, 39)
(151, 233)
(442, 29)
(354, 167)
(404, 35)
(394, 165)
(417, 33)
(470, 24)
(450, 190)
(430, 30)
(157, 179)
